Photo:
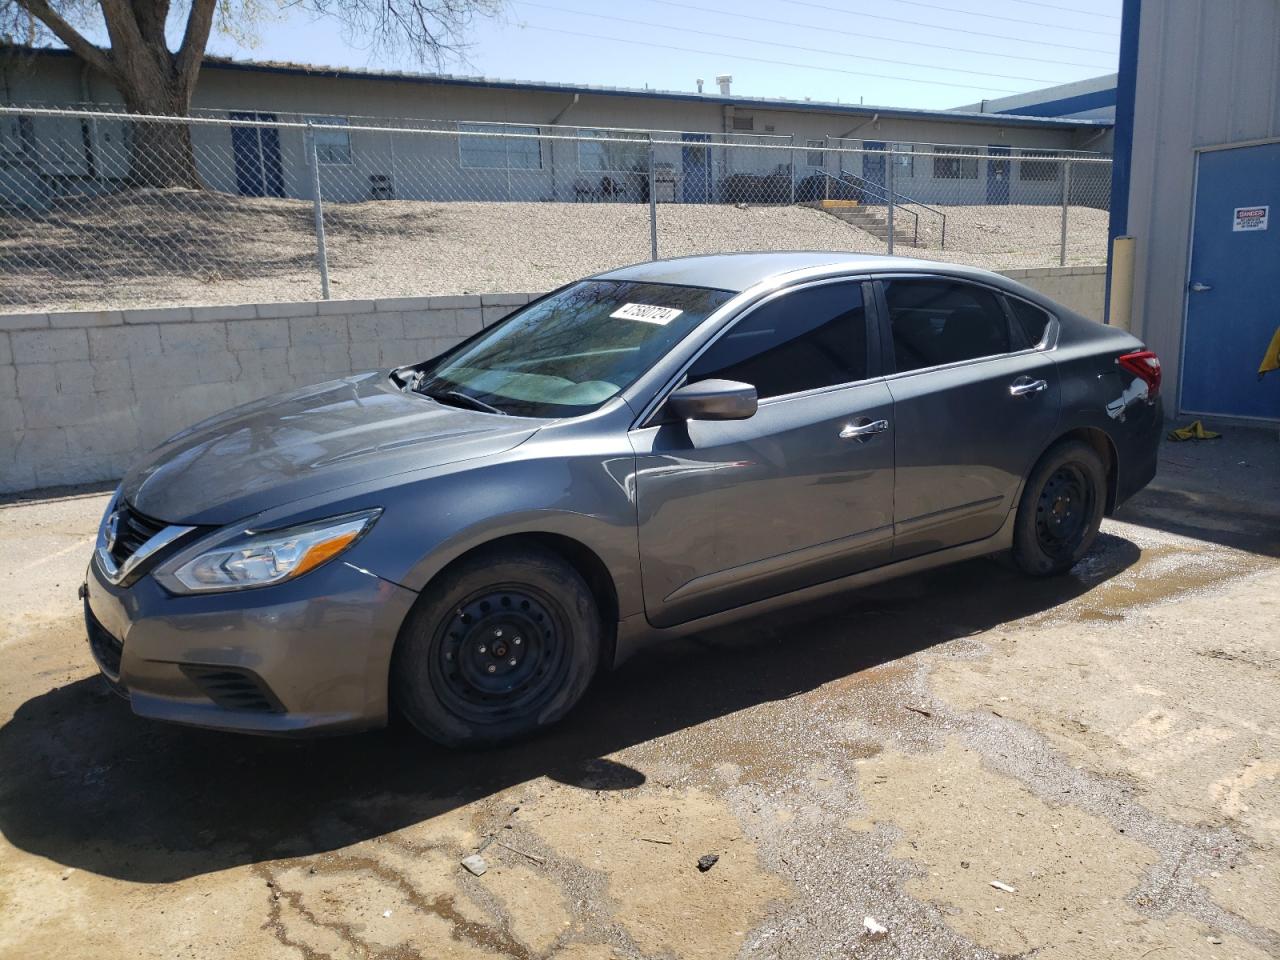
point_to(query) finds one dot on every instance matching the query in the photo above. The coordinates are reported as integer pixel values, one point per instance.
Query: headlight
(253, 559)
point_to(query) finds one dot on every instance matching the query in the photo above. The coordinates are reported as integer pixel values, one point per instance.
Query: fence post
(322, 255)
(653, 204)
(888, 182)
(1066, 205)
(793, 170)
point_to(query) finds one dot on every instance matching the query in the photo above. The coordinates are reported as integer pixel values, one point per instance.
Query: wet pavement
(1105, 745)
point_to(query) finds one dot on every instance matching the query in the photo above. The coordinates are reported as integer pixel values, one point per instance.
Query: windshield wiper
(459, 399)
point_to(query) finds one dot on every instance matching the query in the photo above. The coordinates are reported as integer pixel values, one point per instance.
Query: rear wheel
(498, 647)
(1061, 509)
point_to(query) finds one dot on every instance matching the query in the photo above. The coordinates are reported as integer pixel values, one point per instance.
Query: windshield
(567, 354)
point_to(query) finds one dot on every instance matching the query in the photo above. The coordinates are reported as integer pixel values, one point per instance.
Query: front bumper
(307, 656)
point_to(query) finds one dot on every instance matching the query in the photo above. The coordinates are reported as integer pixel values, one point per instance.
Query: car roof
(741, 271)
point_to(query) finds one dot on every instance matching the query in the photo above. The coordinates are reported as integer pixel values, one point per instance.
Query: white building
(793, 138)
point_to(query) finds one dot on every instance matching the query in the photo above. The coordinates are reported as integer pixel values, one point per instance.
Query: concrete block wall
(1082, 289)
(83, 394)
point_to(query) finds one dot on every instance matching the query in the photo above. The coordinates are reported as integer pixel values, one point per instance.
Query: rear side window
(810, 338)
(1031, 319)
(944, 321)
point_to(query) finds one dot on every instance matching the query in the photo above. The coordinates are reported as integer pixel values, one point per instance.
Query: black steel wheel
(1061, 509)
(498, 647)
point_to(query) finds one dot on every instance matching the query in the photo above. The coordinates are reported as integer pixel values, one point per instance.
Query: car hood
(320, 438)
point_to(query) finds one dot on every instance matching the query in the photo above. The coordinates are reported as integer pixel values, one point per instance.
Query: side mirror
(713, 400)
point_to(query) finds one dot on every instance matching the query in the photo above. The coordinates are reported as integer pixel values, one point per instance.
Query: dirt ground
(1105, 746)
(158, 247)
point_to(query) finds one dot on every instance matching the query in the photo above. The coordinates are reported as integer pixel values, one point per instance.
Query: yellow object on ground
(1271, 359)
(1193, 431)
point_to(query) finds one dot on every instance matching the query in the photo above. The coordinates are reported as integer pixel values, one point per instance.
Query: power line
(1054, 6)
(993, 16)
(777, 63)
(917, 25)
(863, 35)
(785, 46)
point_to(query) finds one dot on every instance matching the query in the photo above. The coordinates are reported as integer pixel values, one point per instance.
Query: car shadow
(90, 786)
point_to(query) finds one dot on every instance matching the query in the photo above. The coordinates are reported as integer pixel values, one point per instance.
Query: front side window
(500, 152)
(943, 321)
(333, 140)
(570, 352)
(810, 338)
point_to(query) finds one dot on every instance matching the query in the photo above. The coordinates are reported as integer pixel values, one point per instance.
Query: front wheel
(498, 647)
(1060, 510)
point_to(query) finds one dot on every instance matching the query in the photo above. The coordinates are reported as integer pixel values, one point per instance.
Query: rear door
(974, 405)
(802, 492)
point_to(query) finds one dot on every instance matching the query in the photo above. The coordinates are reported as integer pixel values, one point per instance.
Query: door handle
(1024, 387)
(864, 430)
(1198, 287)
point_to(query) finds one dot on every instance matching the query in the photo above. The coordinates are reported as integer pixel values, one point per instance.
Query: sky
(908, 53)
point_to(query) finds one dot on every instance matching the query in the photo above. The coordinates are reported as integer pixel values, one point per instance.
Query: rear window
(1031, 319)
(943, 321)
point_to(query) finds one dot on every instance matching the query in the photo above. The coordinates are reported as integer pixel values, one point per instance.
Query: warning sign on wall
(1250, 218)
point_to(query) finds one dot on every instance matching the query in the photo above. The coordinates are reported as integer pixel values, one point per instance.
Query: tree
(153, 79)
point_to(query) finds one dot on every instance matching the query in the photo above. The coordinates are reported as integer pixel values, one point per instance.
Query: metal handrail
(901, 199)
(852, 176)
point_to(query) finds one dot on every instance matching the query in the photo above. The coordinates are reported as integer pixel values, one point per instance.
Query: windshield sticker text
(646, 313)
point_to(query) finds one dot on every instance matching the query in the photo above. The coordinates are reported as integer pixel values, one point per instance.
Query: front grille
(133, 529)
(234, 689)
(106, 649)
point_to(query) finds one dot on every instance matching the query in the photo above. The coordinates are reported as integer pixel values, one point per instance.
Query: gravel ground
(151, 248)
(1106, 745)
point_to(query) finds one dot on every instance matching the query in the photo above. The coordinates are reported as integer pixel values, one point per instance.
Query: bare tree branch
(194, 41)
(68, 34)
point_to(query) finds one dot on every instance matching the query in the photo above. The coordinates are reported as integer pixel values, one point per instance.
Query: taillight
(1144, 365)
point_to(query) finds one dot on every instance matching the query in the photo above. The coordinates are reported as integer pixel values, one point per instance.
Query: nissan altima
(470, 539)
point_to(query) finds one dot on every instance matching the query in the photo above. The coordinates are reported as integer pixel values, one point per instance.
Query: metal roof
(717, 99)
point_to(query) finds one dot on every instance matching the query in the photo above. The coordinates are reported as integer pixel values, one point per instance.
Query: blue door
(873, 172)
(1232, 307)
(997, 174)
(695, 162)
(256, 150)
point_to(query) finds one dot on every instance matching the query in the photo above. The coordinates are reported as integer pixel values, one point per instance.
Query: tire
(1060, 510)
(498, 647)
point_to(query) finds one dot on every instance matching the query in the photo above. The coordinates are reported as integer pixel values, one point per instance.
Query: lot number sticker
(1250, 218)
(646, 313)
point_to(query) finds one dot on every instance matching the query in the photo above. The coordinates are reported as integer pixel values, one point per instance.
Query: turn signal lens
(1144, 365)
(260, 559)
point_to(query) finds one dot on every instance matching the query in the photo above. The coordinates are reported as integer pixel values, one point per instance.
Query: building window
(621, 152)
(815, 158)
(333, 141)
(499, 152)
(17, 138)
(953, 167)
(1045, 171)
(744, 123)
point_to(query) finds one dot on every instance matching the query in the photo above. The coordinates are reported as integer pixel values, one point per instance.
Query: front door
(973, 408)
(997, 174)
(802, 492)
(694, 161)
(1232, 309)
(256, 151)
(873, 171)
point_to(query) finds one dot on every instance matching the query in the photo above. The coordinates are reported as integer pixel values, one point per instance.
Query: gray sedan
(470, 539)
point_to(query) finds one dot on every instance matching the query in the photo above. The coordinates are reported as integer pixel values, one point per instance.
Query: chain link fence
(102, 209)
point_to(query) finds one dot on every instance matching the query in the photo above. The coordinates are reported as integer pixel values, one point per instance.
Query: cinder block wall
(83, 394)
